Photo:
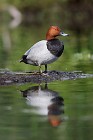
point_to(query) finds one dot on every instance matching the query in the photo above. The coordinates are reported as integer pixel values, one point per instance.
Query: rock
(8, 77)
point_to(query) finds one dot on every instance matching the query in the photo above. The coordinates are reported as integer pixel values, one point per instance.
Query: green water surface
(20, 120)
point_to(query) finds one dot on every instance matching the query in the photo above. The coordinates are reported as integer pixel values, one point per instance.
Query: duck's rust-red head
(54, 31)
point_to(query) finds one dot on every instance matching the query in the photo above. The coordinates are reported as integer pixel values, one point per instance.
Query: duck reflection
(45, 102)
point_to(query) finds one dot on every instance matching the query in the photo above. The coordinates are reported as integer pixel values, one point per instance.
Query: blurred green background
(23, 23)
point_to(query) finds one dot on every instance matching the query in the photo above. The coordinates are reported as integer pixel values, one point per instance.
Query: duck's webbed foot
(45, 73)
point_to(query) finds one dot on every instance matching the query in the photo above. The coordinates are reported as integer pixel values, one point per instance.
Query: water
(58, 110)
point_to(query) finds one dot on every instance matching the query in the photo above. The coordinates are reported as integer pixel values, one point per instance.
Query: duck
(45, 51)
(45, 102)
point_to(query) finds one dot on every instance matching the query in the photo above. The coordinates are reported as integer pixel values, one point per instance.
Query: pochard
(45, 51)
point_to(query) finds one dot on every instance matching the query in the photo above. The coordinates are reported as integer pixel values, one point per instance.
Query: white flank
(39, 54)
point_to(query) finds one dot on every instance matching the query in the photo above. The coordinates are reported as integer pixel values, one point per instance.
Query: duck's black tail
(21, 60)
(24, 59)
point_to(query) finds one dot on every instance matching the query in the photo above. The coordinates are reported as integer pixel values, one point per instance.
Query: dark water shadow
(45, 102)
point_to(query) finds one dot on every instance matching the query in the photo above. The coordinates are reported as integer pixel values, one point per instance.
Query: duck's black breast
(55, 46)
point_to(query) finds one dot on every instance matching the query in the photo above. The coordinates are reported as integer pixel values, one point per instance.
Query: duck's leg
(40, 71)
(45, 69)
